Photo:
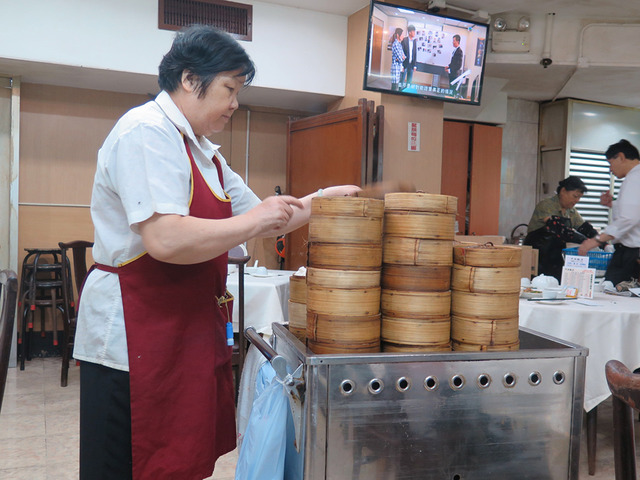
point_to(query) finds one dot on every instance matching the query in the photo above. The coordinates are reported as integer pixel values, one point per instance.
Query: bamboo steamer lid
(416, 251)
(336, 301)
(346, 220)
(347, 207)
(484, 305)
(298, 288)
(337, 347)
(417, 332)
(397, 303)
(436, 226)
(398, 348)
(345, 256)
(485, 279)
(487, 255)
(416, 278)
(359, 279)
(483, 331)
(421, 202)
(472, 347)
(342, 328)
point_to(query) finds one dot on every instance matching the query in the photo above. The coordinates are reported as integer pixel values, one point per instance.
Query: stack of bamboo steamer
(485, 285)
(416, 275)
(343, 277)
(298, 305)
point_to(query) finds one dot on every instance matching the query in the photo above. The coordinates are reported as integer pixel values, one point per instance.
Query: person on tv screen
(409, 47)
(397, 59)
(456, 60)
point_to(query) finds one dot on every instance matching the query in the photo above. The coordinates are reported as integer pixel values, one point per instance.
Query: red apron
(182, 394)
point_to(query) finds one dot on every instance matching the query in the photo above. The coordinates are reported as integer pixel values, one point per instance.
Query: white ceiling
(523, 79)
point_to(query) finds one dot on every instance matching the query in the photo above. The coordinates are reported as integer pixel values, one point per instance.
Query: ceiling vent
(233, 18)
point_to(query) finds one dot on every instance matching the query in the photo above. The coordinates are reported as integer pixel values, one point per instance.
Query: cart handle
(278, 362)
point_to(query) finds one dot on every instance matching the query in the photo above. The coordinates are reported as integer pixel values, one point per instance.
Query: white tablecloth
(610, 331)
(265, 299)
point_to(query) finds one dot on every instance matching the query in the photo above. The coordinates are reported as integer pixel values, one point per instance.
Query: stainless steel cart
(451, 416)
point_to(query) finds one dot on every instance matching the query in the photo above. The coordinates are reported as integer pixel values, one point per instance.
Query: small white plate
(552, 302)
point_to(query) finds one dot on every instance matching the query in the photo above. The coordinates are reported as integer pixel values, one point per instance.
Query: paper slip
(635, 291)
(576, 261)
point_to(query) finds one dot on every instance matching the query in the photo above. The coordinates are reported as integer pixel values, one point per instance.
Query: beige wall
(63, 128)
(423, 168)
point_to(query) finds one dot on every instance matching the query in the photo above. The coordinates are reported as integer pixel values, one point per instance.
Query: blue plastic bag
(262, 453)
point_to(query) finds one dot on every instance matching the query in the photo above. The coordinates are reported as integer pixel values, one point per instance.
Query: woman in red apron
(157, 398)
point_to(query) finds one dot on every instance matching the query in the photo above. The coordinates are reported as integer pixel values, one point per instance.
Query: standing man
(624, 229)
(409, 46)
(456, 60)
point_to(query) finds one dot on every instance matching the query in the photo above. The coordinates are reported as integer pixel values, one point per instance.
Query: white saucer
(552, 302)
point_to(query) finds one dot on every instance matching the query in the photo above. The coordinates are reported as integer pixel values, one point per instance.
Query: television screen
(415, 53)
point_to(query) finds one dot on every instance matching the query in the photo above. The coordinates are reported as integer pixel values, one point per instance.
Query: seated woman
(555, 222)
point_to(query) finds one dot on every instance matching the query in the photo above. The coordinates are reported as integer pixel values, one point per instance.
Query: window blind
(593, 169)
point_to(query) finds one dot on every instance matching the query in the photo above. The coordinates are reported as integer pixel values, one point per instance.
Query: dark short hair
(572, 183)
(204, 51)
(411, 28)
(456, 37)
(625, 147)
(398, 31)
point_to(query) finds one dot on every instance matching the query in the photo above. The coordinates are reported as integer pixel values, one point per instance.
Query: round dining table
(608, 325)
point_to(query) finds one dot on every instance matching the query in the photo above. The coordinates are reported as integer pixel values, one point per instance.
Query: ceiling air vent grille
(233, 18)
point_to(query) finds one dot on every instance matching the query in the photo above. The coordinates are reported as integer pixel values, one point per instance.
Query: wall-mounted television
(420, 54)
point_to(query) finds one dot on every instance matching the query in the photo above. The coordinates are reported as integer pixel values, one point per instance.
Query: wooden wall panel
(61, 130)
(455, 165)
(486, 162)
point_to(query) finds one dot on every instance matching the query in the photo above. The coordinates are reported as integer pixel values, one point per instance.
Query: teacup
(551, 292)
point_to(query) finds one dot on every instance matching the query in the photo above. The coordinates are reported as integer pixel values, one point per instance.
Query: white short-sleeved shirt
(143, 168)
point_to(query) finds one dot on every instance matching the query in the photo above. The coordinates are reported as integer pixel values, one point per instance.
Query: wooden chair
(237, 256)
(79, 252)
(625, 388)
(9, 293)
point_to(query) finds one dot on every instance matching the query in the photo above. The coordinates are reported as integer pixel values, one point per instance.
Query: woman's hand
(587, 245)
(273, 214)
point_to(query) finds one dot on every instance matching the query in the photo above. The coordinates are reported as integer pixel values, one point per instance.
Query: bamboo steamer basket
(337, 301)
(416, 251)
(346, 220)
(421, 202)
(436, 226)
(484, 331)
(298, 288)
(336, 347)
(416, 332)
(485, 280)
(345, 256)
(343, 279)
(401, 304)
(488, 255)
(298, 319)
(484, 305)
(346, 330)
(397, 348)
(472, 347)
(416, 278)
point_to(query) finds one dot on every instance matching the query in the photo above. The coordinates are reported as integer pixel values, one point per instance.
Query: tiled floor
(39, 429)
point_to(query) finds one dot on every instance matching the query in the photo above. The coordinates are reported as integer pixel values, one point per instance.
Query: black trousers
(624, 264)
(105, 423)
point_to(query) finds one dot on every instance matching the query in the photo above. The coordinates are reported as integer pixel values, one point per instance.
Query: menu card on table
(577, 275)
